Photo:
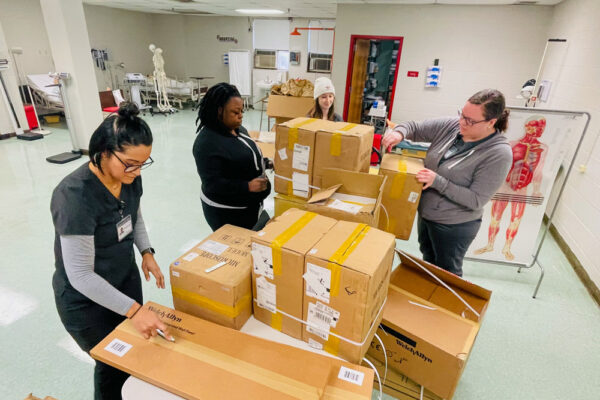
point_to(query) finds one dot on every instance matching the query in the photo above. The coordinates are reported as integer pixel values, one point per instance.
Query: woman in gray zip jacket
(466, 163)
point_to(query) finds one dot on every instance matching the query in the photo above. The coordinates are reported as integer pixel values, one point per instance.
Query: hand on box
(391, 138)
(426, 176)
(257, 185)
(147, 322)
(149, 266)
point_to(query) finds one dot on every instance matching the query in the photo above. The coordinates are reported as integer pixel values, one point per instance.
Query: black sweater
(226, 163)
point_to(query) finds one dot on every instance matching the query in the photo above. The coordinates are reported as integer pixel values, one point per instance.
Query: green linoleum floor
(544, 348)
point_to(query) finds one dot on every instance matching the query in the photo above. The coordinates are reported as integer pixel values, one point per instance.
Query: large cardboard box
(342, 145)
(401, 194)
(349, 196)
(428, 332)
(397, 385)
(346, 279)
(278, 253)
(294, 154)
(284, 108)
(222, 295)
(208, 361)
(265, 141)
(284, 203)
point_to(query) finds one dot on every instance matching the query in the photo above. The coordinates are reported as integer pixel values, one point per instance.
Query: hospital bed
(47, 100)
(178, 91)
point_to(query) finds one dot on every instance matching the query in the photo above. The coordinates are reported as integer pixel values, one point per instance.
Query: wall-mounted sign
(226, 39)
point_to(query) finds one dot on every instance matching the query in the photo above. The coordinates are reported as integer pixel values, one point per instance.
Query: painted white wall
(573, 72)
(12, 91)
(478, 47)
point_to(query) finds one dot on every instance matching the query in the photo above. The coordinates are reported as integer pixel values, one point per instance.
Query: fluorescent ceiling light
(258, 11)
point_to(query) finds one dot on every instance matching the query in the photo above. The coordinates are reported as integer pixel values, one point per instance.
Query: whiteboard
(240, 71)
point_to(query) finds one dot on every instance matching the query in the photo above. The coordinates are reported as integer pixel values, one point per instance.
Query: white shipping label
(176, 273)
(314, 344)
(301, 157)
(266, 294)
(190, 256)
(300, 184)
(343, 206)
(351, 375)
(318, 282)
(318, 323)
(282, 154)
(118, 347)
(262, 259)
(213, 247)
(333, 314)
(413, 197)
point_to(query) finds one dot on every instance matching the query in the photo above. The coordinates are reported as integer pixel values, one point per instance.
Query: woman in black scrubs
(230, 165)
(97, 220)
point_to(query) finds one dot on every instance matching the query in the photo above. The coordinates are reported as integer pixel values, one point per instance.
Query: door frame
(353, 39)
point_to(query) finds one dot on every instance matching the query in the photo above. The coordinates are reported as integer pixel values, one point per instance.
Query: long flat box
(397, 385)
(288, 107)
(350, 196)
(344, 146)
(427, 331)
(208, 361)
(346, 279)
(278, 253)
(222, 295)
(284, 203)
(401, 194)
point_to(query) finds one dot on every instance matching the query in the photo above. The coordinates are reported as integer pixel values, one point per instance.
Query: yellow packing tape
(332, 346)
(276, 321)
(341, 254)
(293, 132)
(335, 144)
(212, 305)
(286, 235)
(290, 188)
(398, 181)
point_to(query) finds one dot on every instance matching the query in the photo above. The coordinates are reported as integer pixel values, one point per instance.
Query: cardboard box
(346, 279)
(284, 108)
(265, 142)
(401, 194)
(284, 203)
(294, 154)
(397, 385)
(342, 145)
(427, 331)
(223, 295)
(278, 253)
(350, 196)
(208, 361)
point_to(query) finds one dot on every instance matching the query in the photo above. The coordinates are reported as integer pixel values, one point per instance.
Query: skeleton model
(528, 162)
(160, 80)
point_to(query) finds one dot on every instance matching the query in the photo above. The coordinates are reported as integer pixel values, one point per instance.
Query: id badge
(124, 227)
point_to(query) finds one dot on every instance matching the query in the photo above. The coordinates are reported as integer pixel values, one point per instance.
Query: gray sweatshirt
(466, 181)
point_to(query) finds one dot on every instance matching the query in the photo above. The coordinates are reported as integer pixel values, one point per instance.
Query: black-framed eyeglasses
(468, 120)
(133, 168)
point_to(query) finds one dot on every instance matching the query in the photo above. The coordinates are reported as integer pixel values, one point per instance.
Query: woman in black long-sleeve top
(230, 165)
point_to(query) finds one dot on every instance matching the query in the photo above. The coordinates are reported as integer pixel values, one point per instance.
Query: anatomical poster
(512, 219)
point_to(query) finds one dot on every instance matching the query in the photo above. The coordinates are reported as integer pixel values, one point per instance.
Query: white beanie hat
(323, 85)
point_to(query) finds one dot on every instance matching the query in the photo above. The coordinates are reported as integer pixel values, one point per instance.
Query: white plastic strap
(422, 390)
(352, 342)
(378, 377)
(387, 217)
(439, 281)
(385, 357)
(290, 180)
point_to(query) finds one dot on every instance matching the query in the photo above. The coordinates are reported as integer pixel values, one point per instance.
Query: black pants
(88, 323)
(246, 218)
(445, 245)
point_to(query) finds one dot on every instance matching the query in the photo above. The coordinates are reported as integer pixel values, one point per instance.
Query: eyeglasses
(133, 168)
(468, 120)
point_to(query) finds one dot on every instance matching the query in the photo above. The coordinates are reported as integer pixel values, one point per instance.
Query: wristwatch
(148, 250)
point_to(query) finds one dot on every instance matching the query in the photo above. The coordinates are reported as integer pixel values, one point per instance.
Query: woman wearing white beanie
(324, 97)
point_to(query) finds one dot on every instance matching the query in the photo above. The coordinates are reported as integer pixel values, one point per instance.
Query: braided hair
(117, 131)
(215, 98)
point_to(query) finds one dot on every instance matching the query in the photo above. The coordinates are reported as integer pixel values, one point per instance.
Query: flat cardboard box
(350, 196)
(278, 253)
(345, 287)
(284, 203)
(223, 295)
(267, 148)
(342, 145)
(208, 361)
(397, 385)
(294, 154)
(401, 194)
(288, 107)
(427, 331)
